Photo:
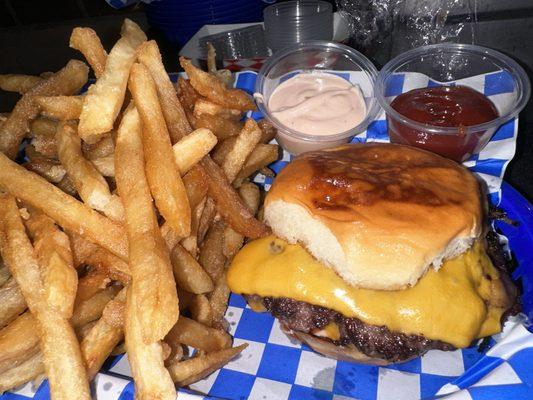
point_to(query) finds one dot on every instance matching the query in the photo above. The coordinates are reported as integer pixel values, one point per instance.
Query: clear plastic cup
(444, 64)
(293, 22)
(311, 57)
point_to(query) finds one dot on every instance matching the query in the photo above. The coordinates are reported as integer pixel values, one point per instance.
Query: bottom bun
(343, 353)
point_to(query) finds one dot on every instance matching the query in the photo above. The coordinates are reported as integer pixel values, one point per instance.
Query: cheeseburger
(378, 254)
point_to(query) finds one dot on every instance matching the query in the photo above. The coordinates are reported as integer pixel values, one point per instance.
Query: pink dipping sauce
(318, 103)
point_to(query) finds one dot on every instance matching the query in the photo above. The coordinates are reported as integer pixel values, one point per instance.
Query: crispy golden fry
(192, 333)
(67, 81)
(192, 148)
(92, 283)
(203, 107)
(229, 204)
(104, 336)
(60, 107)
(188, 273)
(43, 127)
(25, 372)
(222, 149)
(12, 302)
(51, 170)
(152, 287)
(18, 341)
(218, 299)
(170, 236)
(68, 212)
(105, 165)
(67, 186)
(5, 275)
(105, 147)
(104, 98)
(201, 310)
(212, 251)
(63, 363)
(186, 94)
(225, 76)
(152, 379)
(251, 195)
(268, 130)
(52, 248)
(86, 41)
(18, 83)
(208, 213)
(105, 262)
(177, 123)
(222, 128)
(91, 309)
(211, 58)
(210, 87)
(162, 174)
(243, 147)
(83, 331)
(261, 156)
(176, 353)
(194, 369)
(42, 146)
(196, 187)
(89, 183)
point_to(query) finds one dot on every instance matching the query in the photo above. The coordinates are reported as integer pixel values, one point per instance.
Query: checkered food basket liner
(274, 367)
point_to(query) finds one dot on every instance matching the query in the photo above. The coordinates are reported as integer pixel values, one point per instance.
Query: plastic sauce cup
(316, 56)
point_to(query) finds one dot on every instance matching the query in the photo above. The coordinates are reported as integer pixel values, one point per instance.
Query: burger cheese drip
(456, 304)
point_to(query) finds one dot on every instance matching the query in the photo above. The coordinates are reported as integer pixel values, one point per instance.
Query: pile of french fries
(116, 231)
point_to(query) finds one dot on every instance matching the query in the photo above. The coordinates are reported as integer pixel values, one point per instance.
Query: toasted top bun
(378, 214)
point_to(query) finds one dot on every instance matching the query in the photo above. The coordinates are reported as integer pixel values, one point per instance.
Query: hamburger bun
(380, 215)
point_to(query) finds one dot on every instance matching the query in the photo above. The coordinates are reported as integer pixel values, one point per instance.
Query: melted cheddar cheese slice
(451, 304)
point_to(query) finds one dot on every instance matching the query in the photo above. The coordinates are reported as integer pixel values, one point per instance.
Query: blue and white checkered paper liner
(273, 367)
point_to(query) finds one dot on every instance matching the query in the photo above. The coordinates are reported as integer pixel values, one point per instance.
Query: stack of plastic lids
(293, 22)
(238, 44)
(179, 20)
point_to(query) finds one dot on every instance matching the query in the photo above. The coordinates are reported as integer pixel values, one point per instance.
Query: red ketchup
(443, 106)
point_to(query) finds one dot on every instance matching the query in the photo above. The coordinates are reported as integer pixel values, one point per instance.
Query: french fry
(152, 287)
(67, 186)
(201, 310)
(103, 148)
(27, 371)
(268, 130)
(43, 127)
(229, 204)
(88, 253)
(212, 251)
(12, 302)
(86, 41)
(177, 123)
(192, 148)
(194, 334)
(52, 248)
(105, 165)
(186, 94)
(222, 149)
(261, 156)
(210, 87)
(18, 341)
(208, 213)
(89, 183)
(221, 127)
(5, 275)
(196, 187)
(104, 336)
(152, 379)
(104, 98)
(67, 81)
(218, 299)
(18, 83)
(211, 58)
(188, 273)
(63, 363)
(92, 283)
(207, 107)
(185, 298)
(60, 107)
(246, 141)
(194, 369)
(42, 146)
(162, 174)
(91, 309)
(68, 212)
(51, 170)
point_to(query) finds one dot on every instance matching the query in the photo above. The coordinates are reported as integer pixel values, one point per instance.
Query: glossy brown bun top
(379, 214)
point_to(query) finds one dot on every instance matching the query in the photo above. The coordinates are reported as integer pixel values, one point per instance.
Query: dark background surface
(34, 38)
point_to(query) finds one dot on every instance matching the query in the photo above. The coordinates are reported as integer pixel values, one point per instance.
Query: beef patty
(374, 341)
